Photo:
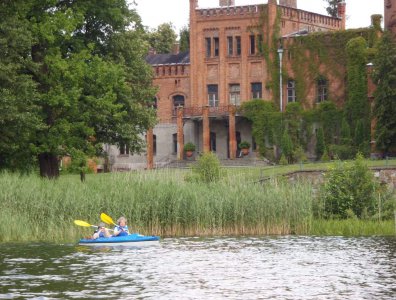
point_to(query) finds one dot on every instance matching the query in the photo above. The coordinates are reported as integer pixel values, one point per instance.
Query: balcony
(196, 112)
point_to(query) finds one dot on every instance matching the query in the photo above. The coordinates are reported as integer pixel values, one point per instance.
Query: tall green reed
(157, 202)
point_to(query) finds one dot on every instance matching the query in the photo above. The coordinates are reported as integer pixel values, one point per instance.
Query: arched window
(178, 100)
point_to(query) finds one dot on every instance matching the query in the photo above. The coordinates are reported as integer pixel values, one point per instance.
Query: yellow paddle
(107, 219)
(85, 224)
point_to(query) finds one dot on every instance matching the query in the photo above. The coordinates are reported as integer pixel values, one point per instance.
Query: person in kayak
(101, 232)
(121, 228)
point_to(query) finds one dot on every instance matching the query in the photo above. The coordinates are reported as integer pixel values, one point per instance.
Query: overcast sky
(155, 12)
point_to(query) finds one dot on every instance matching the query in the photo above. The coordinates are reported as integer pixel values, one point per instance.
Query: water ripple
(289, 267)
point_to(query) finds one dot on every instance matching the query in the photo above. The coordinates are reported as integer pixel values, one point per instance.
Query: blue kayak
(134, 239)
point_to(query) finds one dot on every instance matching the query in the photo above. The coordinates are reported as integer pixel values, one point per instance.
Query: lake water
(288, 267)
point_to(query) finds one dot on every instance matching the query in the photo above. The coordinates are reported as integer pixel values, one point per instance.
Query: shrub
(208, 168)
(283, 160)
(244, 145)
(325, 156)
(189, 147)
(350, 190)
(342, 151)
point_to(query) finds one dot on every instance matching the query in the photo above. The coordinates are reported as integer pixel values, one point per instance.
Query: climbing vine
(311, 57)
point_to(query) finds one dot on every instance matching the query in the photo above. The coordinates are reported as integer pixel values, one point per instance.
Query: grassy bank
(161, 203)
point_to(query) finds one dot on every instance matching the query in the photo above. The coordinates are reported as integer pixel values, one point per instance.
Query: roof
(168, 59)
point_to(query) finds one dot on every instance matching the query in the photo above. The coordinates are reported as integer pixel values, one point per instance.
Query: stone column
(232, 131)
(150, 148)
(206, 129)
(180, 133)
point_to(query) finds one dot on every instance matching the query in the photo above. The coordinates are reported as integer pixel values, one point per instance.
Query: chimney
(152, 51)
(176, 48)
(288, 3)
(226, 2)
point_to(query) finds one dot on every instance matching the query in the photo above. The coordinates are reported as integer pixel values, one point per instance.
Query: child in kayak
(101, 232)
(121, 228)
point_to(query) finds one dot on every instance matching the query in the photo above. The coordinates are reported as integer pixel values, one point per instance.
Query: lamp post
(280, 52)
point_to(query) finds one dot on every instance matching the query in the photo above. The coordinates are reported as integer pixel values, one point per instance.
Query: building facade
(199, 91)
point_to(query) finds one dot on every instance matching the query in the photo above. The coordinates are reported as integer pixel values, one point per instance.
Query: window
(238, 45)
(216, 46)
(252, 44)
(208, 46)
(213, 95)
(124, 149)
(322, 90)
(235, 94)
(257, 91)
(230, 46)
(178, 100)
(291, 91)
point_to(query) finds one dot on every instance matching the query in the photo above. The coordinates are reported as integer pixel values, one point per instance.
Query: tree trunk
(49, 166)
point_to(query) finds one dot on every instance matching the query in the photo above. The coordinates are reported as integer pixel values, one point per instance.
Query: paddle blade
(107, 219)
(82, 223)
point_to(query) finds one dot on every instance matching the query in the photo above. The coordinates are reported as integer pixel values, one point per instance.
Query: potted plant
(244, 145)
(189, 148)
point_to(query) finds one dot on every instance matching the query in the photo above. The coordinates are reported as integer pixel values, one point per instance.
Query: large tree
(184, 40)
(18, 112)
(91, 84)
(332, 8)
(163, 38)
(385, 95)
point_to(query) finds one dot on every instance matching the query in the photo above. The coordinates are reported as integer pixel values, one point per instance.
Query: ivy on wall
(339, 55)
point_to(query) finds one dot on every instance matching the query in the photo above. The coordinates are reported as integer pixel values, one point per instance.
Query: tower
(226, 2)
(288, 3)
(341, 8)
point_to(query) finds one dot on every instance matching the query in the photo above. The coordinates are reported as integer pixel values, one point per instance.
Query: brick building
(200, 90)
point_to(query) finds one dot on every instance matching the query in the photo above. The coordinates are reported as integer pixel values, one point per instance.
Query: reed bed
(155, 202)
(164, 203)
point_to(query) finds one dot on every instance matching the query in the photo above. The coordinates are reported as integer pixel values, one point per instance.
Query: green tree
(330, 118)
(90, 79)
(361, 138)
(184, 40)
(332, 8)
(18, 110)
(163, 38)
(345, 133)
(287, 146)
(320, 143)
(385, 95)
(357, 106)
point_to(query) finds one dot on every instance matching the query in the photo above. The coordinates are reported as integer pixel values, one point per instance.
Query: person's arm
(106, 233)
(116, 231)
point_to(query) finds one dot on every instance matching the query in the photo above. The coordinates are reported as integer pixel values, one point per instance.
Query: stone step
(239, 162)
